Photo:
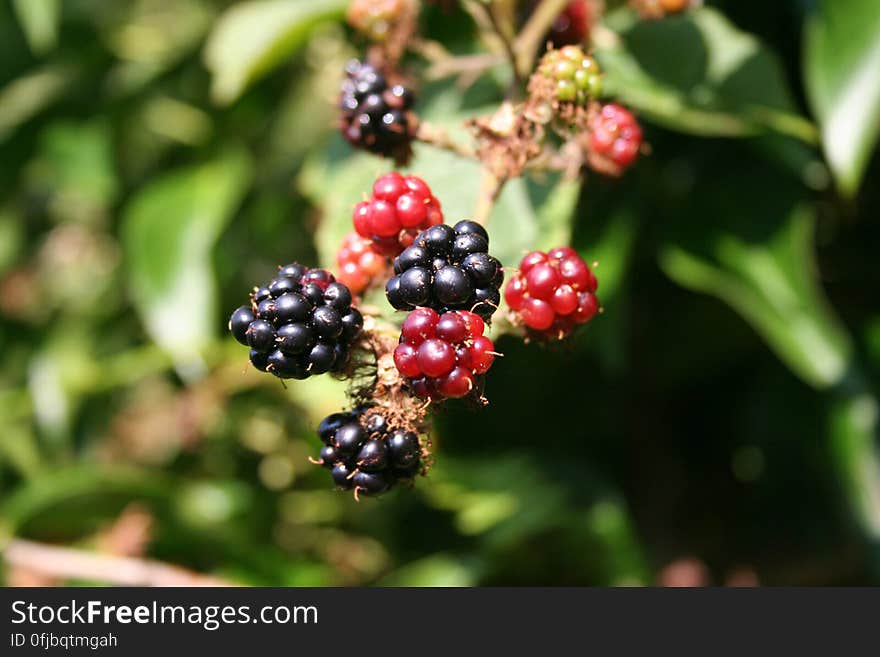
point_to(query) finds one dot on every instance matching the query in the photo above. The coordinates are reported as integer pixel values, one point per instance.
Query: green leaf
(27, 96)
(434, 570)
(748, 241)
(76, 168)
(251, 38)
(842, 75)
(169, 230)
(854, 433)
(699, 74)
(39, 19)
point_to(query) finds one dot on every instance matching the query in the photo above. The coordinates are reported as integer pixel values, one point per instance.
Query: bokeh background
(717, 424)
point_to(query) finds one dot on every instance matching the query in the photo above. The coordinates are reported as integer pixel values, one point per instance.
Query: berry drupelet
(301, 323)
(358, 263)
(443, 356)
(448, 268)
(615, 139)
(366, 453)
(553, 292)
(376, 115)
(400, 207)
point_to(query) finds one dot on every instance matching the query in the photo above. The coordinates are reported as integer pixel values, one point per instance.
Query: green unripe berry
(565, 70)
(576, 75)
(566, 91)
(582, 79)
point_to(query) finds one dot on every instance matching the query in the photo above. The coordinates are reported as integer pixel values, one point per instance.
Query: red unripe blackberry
(443, 356)
(531, 259)
(419, 325)
(366, 453)
(436, 358)
(389, 186)
(552, 292)
(615, 139)
(458, 383)
(406, 360)
(399, 208)
(542, 280)
(537, 314)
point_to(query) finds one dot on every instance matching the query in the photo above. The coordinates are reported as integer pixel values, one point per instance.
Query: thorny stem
(467, 67)
(528, 41)
(491, 28)
(440, 138)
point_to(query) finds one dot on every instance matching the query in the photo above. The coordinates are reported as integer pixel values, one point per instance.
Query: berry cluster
(553, 292)
(615, 138)
(448, 268)
(400, 208)
(301, 323)
(443, 356)
(374, 114)
(575, 74)
(364, 452)
(358, 263)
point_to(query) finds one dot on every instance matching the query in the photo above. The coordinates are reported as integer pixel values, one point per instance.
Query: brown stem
(71, 563)
(530, 38)
(489, 25)
(440, 138)
(466, 66)
(490, 190)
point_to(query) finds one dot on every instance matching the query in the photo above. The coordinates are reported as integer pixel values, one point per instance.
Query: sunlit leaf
(699, 74)
(842, 75)
(752, 248)
(30, 94)
(39, 19)
(854, 433)
(251, 38)
(435, 570)
(169, 231)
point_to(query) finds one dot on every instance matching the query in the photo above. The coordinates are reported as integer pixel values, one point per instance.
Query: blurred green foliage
(161, 156)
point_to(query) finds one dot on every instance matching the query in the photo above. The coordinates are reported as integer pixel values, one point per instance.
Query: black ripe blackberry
(300, 323)
(447, 268)
(375, 113)
(365, 453)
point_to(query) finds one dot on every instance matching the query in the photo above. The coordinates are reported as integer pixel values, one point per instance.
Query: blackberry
(552, 293)
(447, 268)
(375, 113)
(299, 324)
(443, 356)
(366, 453)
